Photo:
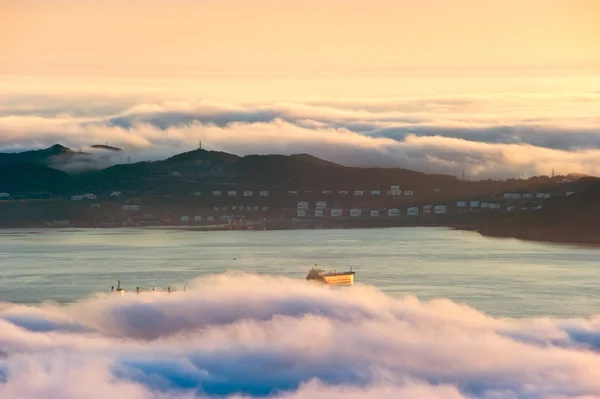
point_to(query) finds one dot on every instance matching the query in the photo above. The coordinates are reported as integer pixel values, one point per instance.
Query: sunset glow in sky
(493, 87)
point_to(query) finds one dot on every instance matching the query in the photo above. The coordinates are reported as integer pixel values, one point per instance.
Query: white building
(336, 212)
(412, 211)
(319, 213)
(394, 212)
(216, 208)
(293, 192)
(326, 192)
(116, 194)
(527, 196)
(374, 213)
(301, 213)
(461, 204)
(265, 208)
(343, 192)
(77, 197)
(543, 195)
(440, 209)
(474, 204)
(427, 209)
(485, 205)
(131, 208)
(217, 193)
(570, 193)
(210, 218)
(495, 206)
(248, 193)
(302, 205)
(185, 219)
(197, 218)
(264, 193)
(358, 193)
(355, 213)
(90, 196)
(375, 192)
(321, 205)
(231, 193)
(395, 188)
(408, 193)
(513, 196)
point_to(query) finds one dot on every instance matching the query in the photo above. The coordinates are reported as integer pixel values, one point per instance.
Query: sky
(242, 336)
(492, 88)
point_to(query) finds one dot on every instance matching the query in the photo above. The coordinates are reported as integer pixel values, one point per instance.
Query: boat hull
(335, 278)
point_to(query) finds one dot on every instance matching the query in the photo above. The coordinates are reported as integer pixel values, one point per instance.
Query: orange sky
(299, 37)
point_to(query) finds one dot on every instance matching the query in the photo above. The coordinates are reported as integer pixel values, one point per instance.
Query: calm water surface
(498, 276)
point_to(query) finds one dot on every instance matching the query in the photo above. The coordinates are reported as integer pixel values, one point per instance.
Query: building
(358, 193)
(197, 219)
(302, 205)
(301, 213)
(336, 212)
(232, 193)
(77, 197)
(131, 208)
(185, 219)
(319, 213)
(264, 193)
(394, 212)
(217, 193)
(427, 209)
(461, 204)
(412, 211)
(474, 204)
(355, 213)
(116, 194)
(375, 192)
(197, 193)
(343, 192)
(248, 193)
(374, 213)
(408, 193)
(440, 209)
(321, 205)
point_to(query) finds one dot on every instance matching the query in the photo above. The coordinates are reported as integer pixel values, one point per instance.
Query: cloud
(243, 336)
(481, 134)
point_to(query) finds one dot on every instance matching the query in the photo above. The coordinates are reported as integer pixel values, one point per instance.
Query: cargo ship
(331, 277)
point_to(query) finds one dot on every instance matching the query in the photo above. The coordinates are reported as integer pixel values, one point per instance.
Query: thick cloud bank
(483, 132)
(243, 336)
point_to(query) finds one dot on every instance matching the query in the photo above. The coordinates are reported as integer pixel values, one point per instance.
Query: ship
(331, 277)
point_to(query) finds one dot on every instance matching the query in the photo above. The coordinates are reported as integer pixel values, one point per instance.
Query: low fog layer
(241, 336)
(483, 134)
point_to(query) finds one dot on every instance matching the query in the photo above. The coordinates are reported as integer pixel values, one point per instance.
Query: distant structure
(199, 144)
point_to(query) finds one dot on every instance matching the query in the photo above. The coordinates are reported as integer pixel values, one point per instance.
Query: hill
(42, 157)
(26, 177)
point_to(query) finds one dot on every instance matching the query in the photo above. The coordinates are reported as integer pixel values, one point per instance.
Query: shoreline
(484, 228)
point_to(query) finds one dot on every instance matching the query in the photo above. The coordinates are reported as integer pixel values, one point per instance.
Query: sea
(500, 277)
